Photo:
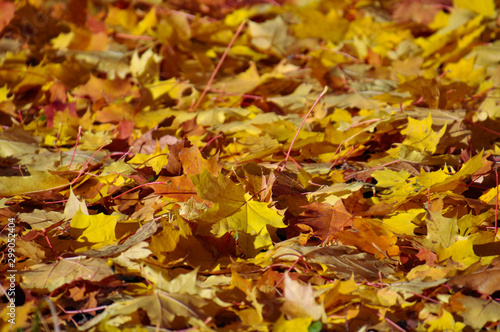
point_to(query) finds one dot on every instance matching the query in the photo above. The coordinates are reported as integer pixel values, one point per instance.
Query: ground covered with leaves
(163, 167)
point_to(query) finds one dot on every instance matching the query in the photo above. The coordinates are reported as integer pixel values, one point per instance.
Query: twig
(217, 68)
(483, 127)
(390, 322)
(301, 125)
(496, 201)
(76, 146)
(53, 314)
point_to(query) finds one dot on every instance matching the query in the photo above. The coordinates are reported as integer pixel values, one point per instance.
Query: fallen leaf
(299, 301)
(49, 277)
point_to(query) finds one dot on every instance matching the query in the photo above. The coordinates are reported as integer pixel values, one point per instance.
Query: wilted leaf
(477, 312)
(52, 276)
(176, 241)
(35, 182)
(486, 279)
(299, 301)
(327, 220)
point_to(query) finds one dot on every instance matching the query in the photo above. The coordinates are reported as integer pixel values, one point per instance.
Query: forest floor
(219, 165)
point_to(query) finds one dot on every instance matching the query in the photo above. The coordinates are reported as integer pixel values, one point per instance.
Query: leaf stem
(390, 322)
(76, 146)
(483, 127)
(301, 125)
(496, 201)
(217, 68)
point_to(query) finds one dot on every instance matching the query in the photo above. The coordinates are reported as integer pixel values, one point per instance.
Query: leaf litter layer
(166, 170)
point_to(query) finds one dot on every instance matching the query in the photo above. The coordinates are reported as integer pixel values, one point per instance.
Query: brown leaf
(48, 277)
(485, 279)
(8, 9)
(326, 220)
(369, 235)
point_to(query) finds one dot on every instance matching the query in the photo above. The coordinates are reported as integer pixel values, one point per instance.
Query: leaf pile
(146, 164)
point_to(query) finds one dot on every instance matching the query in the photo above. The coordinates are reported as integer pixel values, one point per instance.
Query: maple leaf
(369, 235)
(403, 222)
(93, 231)
(484, 279)
(97, 88)
(270, 35)
(52, 276)
(145, 67)
(441, 231)
(477, 312)
(178, 241)
(344, 261)
(299, 301)
(185, 113)
(253, 315)
(156, 161)
(172, 311)
(327, 220)
(40, 219)
(137, 239)
(235, 212)
(36, 181)
(420, 134)
(445, 321)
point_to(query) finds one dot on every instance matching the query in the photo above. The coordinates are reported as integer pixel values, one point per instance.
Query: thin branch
(301, 125)
(217, 68)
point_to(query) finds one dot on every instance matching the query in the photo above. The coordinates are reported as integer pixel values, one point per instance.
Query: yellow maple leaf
(419, 134)
(461, 252)
(250, 224)
(401, 222)
(235, 212)
(35, 182)
(298, 324)
(94, 231)
(156, 161)
(145, 67)
(147, 23)
(445, 322)
(483, 7)
(442, 232)
(464, 71)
